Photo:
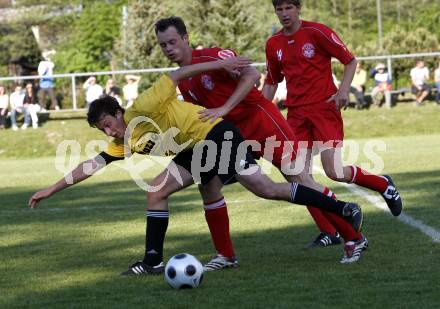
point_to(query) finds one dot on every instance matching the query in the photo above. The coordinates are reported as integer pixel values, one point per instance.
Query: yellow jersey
(159, 124)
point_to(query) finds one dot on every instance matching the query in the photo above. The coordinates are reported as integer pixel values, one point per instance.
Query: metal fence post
(73, 92)
(390, 67)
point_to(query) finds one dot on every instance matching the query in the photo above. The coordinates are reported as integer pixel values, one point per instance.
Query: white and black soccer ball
(184, 271)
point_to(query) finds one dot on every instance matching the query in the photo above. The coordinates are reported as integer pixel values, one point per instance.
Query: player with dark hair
(237, 100)
(301, 53)
(231, 160)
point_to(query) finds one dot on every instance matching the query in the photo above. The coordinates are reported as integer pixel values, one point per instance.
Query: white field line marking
(378, 202)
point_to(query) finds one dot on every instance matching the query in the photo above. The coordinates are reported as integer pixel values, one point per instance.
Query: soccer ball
(184, 271)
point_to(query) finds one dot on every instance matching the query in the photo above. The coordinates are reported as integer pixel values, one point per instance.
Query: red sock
(216, 215)
(343, 227)
(367, 180)
(324, 225)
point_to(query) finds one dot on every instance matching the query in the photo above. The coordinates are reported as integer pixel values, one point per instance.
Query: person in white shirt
(130, 90)
(45, 70)
(93, 90)
(419, 78)
(16, 100)
(4, 103)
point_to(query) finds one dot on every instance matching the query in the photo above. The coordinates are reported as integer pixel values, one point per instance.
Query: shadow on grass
(275, 271)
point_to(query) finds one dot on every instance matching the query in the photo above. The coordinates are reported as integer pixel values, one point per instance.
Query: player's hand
(341, 100)
(233, 65)
(38, 196)
(212, 114)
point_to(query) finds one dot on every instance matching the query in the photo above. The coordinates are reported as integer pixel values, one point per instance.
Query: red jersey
(304, 59)
(212, 89)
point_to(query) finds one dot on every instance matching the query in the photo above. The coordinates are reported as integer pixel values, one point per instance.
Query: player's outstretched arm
(247, 79)
(83, 171)
(232, 64)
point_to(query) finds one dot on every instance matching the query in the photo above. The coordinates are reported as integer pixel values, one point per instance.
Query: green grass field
(68, 253)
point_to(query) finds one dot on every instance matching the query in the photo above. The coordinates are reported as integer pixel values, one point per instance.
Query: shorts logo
(226, 53)
(308, 50)
(279, 54)
(337, 40)
(207, 82)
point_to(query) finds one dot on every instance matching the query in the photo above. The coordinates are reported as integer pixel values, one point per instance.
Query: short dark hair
(296, 3)
(105, 105)
(173, 21)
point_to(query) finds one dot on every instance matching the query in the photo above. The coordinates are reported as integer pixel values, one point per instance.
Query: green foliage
(88, 45)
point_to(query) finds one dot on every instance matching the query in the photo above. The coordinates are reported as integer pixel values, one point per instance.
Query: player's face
(113, 126)
(288, 14)
(173, 45)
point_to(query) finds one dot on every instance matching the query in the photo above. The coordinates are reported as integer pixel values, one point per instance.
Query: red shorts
(266, 121)
(319, 123)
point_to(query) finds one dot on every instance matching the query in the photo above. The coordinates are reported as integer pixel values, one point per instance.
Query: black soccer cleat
(392, 197)
(140, 268)
(325, 240)
(353, 214)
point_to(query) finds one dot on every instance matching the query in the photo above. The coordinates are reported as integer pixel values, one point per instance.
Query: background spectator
(358, 86)
(93, 90)
(382, 86)
(437, 83)
(30, 102)
(130, 90)
(45, 69)
(419, 78)
(4, 102)
(112, 90)
(16, 101)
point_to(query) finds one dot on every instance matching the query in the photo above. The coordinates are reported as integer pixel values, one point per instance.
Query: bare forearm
(248, 78)
(347, 78)
(269, 91)
(193, 70)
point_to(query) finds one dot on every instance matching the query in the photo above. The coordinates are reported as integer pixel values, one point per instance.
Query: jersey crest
(279, 54)
(308, 50)
(207, 82)
(225, 53)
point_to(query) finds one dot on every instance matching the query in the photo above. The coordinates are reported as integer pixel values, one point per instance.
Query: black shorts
(415, 90)
(224, 153)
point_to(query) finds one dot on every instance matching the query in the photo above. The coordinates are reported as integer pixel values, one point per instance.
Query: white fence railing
(73, 76)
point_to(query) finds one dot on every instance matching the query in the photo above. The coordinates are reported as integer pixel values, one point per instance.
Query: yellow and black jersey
(159, 124)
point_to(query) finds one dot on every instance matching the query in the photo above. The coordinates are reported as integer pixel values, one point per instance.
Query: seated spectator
(358, 86)
(16, 102)
(112, 90)
(130, 90)
(437, 83)
(30, 102)
(4, 102)
(382, 86)
(93, 90)
(419, 79)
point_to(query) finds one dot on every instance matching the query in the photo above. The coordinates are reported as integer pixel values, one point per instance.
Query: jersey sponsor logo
(207, 82)
(290, 42)
(279, 54)
(225, 53)
(308, 50)
(337, 40)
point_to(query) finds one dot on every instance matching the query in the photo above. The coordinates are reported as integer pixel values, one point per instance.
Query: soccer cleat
(140, 268)
(353, 250)
(353, 214)
(220, 262)
(325, 240)
(392, 197)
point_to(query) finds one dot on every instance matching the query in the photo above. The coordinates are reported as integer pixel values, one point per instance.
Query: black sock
(157, 224)
(308, 197)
